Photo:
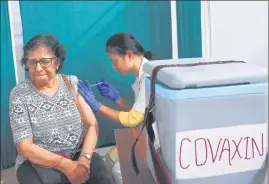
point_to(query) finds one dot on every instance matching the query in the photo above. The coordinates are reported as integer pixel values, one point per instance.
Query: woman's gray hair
(47, 41)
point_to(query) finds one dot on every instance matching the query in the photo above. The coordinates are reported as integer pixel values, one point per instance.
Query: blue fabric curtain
(189, 29)
(8, 151)
(84, 27)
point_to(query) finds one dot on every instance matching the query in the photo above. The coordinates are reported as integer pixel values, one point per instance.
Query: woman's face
(42, 65)
(123, 64)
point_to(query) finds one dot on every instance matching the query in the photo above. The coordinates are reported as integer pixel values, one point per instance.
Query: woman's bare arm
(91, 136)
(45, 158)
(130, 119)
(37, 154)
(110, 113)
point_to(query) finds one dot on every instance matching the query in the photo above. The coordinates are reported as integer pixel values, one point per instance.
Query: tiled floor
(9, 176)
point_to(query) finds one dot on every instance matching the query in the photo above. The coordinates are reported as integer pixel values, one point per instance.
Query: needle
(96, 84)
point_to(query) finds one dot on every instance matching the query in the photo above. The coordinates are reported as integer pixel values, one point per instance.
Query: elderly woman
(54, 144)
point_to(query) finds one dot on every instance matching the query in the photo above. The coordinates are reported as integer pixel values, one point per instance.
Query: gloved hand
(107, 90)
(85, 90)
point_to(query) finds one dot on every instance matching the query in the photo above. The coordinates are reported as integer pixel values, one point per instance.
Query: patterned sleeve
(19, 119)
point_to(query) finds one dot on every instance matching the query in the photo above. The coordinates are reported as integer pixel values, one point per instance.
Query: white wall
(16, 38)
(239, 30)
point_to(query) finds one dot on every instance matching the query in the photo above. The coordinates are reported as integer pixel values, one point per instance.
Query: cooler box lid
(206, 75)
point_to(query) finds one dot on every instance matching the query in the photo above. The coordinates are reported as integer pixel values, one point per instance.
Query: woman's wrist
(119, 101)
(58, 163)
(84, 161)
(63, 164)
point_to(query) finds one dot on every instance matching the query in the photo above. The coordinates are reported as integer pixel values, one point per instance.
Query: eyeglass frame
(114, 63)
(39, 61)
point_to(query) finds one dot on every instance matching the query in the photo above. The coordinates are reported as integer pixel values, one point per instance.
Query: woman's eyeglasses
(44, 62)
(114, 62)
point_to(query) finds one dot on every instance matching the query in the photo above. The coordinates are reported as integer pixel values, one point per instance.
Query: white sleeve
(74, 81)
(140, 100)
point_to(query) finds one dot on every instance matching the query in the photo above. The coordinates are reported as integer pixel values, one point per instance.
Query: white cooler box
(212, 122)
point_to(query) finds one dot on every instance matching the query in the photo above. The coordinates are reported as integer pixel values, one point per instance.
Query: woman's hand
(107, 90)
(76, 172)
(85, 162)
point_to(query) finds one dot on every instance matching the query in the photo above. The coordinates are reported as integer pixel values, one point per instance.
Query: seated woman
(54, 144)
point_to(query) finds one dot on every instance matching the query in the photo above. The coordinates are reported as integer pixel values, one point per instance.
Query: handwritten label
(213, 152)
